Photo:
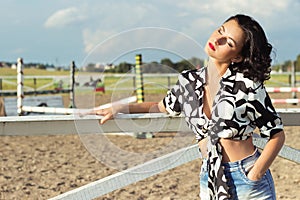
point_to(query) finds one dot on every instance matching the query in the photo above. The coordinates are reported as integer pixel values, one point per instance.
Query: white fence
(49, 125)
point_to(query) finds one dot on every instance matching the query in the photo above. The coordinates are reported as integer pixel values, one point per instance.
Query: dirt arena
(41, 167)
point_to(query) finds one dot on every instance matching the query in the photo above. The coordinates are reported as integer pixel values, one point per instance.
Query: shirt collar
(228, 73)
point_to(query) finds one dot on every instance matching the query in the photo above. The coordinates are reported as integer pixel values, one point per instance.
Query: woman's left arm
(267, 156)
(270, 124)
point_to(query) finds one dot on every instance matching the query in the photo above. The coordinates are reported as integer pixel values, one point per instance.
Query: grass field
(31, 72)
(153, 84)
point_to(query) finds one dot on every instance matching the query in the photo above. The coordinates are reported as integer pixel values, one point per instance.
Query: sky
(59, 32)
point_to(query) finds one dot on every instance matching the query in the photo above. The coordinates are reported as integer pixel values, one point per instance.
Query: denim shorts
(240, 186)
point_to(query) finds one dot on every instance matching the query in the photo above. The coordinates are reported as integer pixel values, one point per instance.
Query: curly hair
(256, 63)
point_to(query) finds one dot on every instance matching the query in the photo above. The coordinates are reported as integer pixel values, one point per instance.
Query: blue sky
(57, 32)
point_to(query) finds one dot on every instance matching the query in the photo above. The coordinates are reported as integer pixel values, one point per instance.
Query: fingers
(97, 112)
(105, 118)
(106, 113)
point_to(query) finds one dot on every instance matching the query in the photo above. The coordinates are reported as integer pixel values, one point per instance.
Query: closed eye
(221, 31)
(229, 44)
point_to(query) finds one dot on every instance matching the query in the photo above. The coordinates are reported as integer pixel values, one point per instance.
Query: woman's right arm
(145, 107)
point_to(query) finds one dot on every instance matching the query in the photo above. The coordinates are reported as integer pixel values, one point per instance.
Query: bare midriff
(233, 150)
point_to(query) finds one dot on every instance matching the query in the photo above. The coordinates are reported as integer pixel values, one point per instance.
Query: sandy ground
(40, 167)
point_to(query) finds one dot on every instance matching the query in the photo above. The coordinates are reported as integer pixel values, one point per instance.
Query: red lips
(211, 46)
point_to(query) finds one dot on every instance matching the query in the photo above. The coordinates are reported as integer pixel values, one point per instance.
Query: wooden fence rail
(66, 124)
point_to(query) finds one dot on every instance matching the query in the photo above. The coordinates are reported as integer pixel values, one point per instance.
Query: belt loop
(240, 164)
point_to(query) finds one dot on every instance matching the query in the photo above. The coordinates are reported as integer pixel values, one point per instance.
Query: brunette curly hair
(256, 51)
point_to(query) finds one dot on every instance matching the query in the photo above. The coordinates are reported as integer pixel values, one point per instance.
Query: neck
(215, 66)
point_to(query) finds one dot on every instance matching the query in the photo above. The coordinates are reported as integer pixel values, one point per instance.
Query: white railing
(65, 124)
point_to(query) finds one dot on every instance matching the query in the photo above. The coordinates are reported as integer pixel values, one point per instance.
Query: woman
(223, 103)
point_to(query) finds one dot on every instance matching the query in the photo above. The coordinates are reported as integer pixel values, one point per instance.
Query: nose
(221, 41)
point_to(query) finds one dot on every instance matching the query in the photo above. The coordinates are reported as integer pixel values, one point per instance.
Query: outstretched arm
(145, 107)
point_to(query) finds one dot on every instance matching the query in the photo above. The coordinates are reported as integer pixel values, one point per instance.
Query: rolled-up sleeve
(171, 100)
(263, 114)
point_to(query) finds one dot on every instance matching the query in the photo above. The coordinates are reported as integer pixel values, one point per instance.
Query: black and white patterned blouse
(239, 107)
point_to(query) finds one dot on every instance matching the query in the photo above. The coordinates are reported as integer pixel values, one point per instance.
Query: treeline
(168, 66)
(164, 66)
(42, 66)
(287, 65)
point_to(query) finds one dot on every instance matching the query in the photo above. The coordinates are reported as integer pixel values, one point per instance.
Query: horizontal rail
(42, 109)
(34, 92)
(67, 111)
(284, 101)
(66, 124)
(283, 89)
(37, 77)
(61, 124)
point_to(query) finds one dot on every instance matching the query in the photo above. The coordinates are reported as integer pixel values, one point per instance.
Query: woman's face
(225, 43)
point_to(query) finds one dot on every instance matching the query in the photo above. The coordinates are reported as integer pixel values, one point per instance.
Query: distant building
(98, 67)
(13, 66)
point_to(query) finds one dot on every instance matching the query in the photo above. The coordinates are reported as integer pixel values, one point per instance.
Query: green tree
(123, 67)
(276, 67)
(297, 64)
(286, 66)
(196, 62)
(167, 62)
(184, 65)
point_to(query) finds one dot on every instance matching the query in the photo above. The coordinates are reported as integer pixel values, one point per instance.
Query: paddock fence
(20, 93)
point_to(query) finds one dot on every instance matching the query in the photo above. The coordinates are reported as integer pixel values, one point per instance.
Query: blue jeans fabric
(240, 186)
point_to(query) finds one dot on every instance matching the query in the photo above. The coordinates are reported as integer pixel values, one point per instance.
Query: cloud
(205, 16)
(221, 7)
(64, 17)
(18, 51)
(192, 17)
(93, 38)
(152, 40)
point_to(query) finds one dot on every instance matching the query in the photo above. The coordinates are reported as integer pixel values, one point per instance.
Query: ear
(237, 59)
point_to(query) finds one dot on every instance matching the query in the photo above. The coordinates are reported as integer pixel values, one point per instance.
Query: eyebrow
(223, 29)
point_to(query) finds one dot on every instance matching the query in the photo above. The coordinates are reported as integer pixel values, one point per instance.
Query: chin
(206, 49)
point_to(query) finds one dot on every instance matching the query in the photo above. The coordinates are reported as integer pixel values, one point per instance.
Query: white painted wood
(61, 124)
(66, 124)
(283, 89)
(285, 101)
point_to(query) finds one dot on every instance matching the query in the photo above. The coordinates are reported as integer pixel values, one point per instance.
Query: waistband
(246, 162)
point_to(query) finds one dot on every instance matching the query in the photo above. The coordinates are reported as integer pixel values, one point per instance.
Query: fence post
(134, 83)
(34, 83)
(20, 91)
(72, 85)
(139, 80)
(293, 81)
(169, 82)
(140, 91)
